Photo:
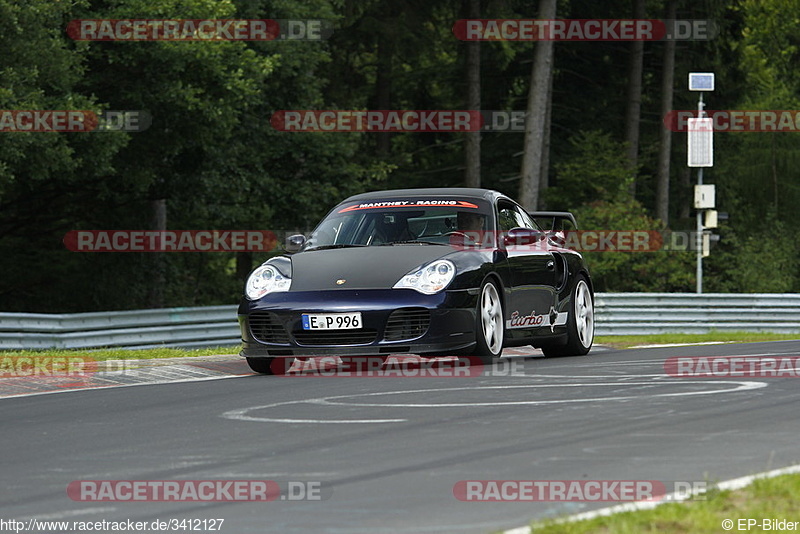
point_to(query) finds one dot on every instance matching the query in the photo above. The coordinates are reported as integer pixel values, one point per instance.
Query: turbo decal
(518, 321)
(410, 204)
(529, 321)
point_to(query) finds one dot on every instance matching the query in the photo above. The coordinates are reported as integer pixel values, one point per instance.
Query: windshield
(391, 222)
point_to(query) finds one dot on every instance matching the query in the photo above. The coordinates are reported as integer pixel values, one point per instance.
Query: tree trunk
(665, 145)
(472, 141)
(158, 222)
(774, 175)
(533, 149)
(544, 176)
(244, 264)
(634, 104)
(686, 185)
(383, 88)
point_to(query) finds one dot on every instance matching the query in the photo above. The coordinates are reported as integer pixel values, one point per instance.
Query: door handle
(551, 265)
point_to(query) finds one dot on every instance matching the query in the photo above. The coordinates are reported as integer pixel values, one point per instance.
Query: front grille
(267, 328)
(363, 336)
(407, 323)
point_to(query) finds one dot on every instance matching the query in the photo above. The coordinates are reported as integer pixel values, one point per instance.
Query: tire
(490, 324)
(267, 366)
(580, 323)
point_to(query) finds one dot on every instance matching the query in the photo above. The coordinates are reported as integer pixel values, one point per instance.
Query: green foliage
(759, 172)
(762, 261)
(593, 182)
(595, 169)
(210, 152)
(213, 156)
(656, 270)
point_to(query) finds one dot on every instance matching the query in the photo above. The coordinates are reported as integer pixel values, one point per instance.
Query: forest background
(211, 159)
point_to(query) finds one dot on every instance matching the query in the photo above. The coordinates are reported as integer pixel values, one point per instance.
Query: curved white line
(242, 413)
(743, 386)
(317, 421)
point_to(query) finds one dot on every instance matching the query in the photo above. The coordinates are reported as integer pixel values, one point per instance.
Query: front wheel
(489, 325)
(268, 366)
(580, 324)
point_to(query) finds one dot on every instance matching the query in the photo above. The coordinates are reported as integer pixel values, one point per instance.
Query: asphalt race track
(385, 453)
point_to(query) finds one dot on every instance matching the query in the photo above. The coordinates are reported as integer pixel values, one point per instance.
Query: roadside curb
(130, 372)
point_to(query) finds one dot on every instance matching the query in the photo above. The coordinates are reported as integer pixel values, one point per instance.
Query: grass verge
(120, 354)
(765, 499)
(624, 342)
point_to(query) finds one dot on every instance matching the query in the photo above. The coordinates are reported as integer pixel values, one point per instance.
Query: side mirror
(558, 237)
(520, 237)
(295, 242)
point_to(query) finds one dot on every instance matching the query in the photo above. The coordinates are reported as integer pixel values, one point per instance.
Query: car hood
(375, 267)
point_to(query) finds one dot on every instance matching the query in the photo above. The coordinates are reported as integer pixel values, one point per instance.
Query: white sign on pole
(701, 81)
(711, 219)
(701, 142)
(704, 196)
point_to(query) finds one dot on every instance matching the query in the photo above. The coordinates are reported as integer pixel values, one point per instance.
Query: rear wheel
(489, 327)
(580, 324)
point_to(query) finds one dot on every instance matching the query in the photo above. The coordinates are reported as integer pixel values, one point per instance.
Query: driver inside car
(391, 229)
(470, 228)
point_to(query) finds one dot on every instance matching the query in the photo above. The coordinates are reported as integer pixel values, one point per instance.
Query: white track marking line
(115, 386)
(742, 386)
(241, 414)
(68, 513)
(671, 345)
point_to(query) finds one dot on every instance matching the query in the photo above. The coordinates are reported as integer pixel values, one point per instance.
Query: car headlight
(430, 278)
(266, 279)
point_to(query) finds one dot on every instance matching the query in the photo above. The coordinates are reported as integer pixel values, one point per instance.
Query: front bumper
(394, 321)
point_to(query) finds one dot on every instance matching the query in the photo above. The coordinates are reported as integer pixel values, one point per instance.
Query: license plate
(331, 321)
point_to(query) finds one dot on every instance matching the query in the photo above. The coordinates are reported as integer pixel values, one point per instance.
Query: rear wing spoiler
(556, 220)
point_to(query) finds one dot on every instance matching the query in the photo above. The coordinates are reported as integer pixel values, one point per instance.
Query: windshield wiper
(412, 242)
(338, 245)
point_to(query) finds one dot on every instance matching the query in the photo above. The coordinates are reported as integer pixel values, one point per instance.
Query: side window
(510, 216)
(527, 220)
(507, 216)
(508, 219)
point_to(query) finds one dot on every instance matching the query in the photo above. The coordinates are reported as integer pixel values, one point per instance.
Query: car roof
(464, 192)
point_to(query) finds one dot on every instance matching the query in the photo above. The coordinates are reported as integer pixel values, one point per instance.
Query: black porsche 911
(433, 272)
